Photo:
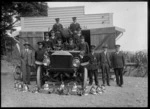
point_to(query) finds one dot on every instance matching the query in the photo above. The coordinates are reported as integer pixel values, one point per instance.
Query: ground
(134, 93)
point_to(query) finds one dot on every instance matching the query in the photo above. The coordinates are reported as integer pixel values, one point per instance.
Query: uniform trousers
(105, 73)
(119, 76)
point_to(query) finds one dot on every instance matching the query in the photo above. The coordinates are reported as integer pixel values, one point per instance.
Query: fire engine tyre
(39, 81)
(85, 76)
(17, 73)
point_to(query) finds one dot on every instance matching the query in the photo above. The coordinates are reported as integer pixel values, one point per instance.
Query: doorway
(86, 34)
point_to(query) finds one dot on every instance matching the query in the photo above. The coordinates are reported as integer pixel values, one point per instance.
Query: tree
(12, 11)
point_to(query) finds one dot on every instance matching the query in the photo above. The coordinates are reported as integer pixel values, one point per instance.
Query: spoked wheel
(85, 76)
(17, 73)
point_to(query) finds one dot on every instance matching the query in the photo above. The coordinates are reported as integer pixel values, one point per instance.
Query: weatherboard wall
(87, 21)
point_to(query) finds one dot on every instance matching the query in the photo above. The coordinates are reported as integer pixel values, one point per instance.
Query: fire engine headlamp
(76, 62)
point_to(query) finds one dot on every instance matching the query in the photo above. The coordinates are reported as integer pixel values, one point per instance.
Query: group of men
(55, 41)
(104, 61)
(73, 30)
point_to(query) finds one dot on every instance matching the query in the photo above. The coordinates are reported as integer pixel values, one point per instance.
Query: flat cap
(82, 37)
(26, 43)
(74, 18)
(52, 31)
(70, 38)
(105, 46)
(57, 19)
(117, 45)
(40, 43)
(46, 34)
(59, 39)
(92, 46)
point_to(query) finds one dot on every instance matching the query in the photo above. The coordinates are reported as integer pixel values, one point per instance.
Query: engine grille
(58, 61)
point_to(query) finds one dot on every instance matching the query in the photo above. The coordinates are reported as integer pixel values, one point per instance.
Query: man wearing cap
(71, 45)
(39, 54)
(58, 27)
(77, 37)
(53, 38)
(74, 27)
(104, 60)
(84, 60)
(48, 44)
(93, 67)
(27, 60)
(59, 45)
(83, 45)
(118, 63)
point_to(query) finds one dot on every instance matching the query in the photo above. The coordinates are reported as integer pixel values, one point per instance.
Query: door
(86, 34)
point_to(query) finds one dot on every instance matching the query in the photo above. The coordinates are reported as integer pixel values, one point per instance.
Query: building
(97, 28)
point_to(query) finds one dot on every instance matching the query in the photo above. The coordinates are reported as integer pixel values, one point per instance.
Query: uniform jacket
(74, 27)
(77, 39)
(53, 40)
(118, 60)
(84, 46)
(71, 47)
(104, 59)
(39, 54)
(57, 27)
(59, 47)
(48, 44)
(27, 57)
(93, 62)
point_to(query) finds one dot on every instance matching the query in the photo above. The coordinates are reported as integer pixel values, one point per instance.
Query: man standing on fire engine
(58, 27)
(74, 27)
(48, 43)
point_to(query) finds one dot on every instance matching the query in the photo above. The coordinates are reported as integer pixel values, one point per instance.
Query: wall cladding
(87, 21)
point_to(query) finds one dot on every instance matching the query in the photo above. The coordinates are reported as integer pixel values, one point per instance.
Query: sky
(131, 16)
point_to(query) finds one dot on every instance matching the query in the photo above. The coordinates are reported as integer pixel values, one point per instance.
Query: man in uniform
(59, 45)
(48, 43)
(39, 54)
(105, 64)
(53, 38)
(118, 63)
(58, 27)
(27, 60)
(93, 67)
(83, 45)
(71, 45)
(84, 60)
(74, 27)
(77, 37)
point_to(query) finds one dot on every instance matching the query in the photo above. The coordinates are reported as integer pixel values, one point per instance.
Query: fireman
(58, 27)
(74, 27)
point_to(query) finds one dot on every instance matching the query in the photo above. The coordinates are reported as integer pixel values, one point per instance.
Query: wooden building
(98, 29)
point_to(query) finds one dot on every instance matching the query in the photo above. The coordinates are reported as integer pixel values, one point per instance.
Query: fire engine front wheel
(85, 76)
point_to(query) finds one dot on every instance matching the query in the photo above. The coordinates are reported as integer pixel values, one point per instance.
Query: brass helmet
(20, 86)
(103, 87)
(74, 88)
(99, 90)
(36, 89)
(62, 86)
(25, 88)
(46, 86)
(93, 90)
